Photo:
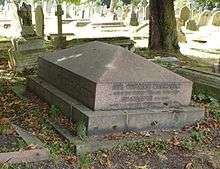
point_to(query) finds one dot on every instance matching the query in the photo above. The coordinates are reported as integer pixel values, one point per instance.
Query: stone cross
(60, 40)
(59, 14)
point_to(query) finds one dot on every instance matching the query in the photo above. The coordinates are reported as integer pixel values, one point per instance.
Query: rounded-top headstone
(215, 20)
(191, 25)
(39, 19)
(185, 13)
(204, 18)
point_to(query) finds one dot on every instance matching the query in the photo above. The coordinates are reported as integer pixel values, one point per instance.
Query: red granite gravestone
(111, 88)
(106, 77)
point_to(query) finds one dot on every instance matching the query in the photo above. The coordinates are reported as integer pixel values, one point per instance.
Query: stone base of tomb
(28, 31)
(98, 122)
(25, 52)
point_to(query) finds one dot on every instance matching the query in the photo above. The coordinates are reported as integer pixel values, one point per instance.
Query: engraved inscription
(143, 94)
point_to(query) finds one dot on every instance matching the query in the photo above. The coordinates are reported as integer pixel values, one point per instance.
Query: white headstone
(204, 18)
(215, 20)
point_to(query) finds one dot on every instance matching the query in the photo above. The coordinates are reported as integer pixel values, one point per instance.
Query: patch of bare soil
(9, 143)
(174, 158)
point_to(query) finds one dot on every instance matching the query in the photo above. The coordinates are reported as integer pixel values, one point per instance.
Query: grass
(159, 147)
(54, 149)
(85, 161)
(68, 148)
(6, 166)
(21, 143)
(135, 147)
(216, 115)
(198, 136)
(81, 130)
(3, 38)
(4, 128)
(54, 111)
(187, 145)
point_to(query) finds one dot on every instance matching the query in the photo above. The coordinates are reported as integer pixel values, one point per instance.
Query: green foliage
(6, 166)
(1, 89)
(54, 111)
(204, 2)
(45, 124)
(180, 3)
(126, 2)
(198, 136)
(213, 104)
(108, 2)
(21, 143)
(68, 148)
(216, 115)
(201, 97)
(98, 2)
(159, 146)
(2, 2)
(165, 63)
(134, 147)
(4, 128)
(187, 145)
(136, 2)
(81, 130)
(54, 149)
(77, 2)
(85, 161)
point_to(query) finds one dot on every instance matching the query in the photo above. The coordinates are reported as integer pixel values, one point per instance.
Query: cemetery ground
(196, 146)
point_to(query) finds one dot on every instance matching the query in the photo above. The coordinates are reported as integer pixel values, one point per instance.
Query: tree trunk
(113, 5)
(163, 32)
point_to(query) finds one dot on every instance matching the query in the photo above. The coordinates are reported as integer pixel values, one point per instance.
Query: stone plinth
(106, 77)
(108, 121)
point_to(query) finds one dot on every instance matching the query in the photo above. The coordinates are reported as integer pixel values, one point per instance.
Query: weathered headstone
(147, 12)
(217, 67)
(39, 19)
(191, 25)
(180, 34)
(215, 20)
(110, 88)
(115, 16)
(204, 18)
(125, 13)
(134, 19)
(26, 17)
(185, 14)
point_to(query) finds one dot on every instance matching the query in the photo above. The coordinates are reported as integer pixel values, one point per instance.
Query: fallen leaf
(189, 166)
(141, 167)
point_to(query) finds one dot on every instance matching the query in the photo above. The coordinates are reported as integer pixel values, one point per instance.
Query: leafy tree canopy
(108, 2)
